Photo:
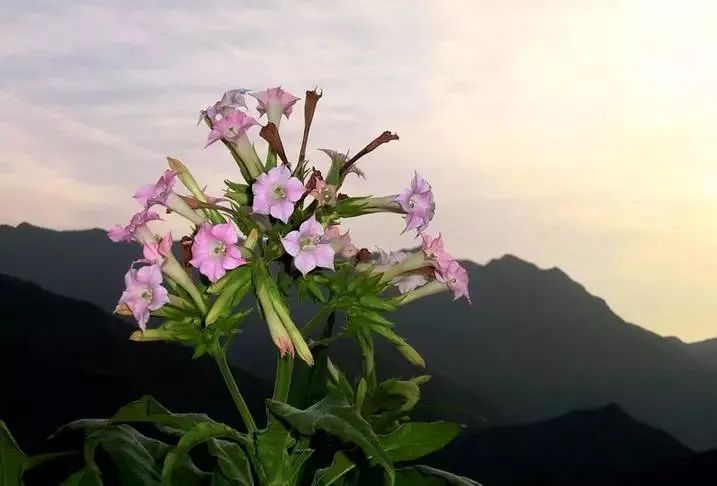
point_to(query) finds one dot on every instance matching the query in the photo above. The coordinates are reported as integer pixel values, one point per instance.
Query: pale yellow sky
(577, 134)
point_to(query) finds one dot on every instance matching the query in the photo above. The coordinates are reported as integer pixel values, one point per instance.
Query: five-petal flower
(276, 192)
(215, 250)
(308, 247)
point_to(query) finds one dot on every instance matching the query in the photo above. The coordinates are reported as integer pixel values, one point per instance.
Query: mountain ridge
(535, 344)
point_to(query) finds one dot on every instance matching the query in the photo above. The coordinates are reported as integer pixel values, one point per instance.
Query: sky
(572, 134)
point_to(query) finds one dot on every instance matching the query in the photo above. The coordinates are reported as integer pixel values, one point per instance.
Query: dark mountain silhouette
(695, 470)
(62, 359)
(588, 447)
(534, 345)
(705, 352)
(84, 264)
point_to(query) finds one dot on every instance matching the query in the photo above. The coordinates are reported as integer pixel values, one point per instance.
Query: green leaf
(87, 476)
(12, 459)
(390, 400)
(338, 468)
(86, 425)
(335, 416)
(134, 455)
(417, 439)
(272, 445)
(200, 433)
(147, 409)
(40, 459)
(232, 461)
(428, 476)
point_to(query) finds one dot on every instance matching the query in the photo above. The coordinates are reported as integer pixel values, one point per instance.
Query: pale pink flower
(341, 243)
(325, 194)
(417, 202)
(307, 247)
(156, 253)
(143, 292)
(274, 102)
(276, 192)
(214, 250)
(405, 281)
(231, 128)
(136, 230)
(432, 247)
(232, 101)
(162, 193)
(451, 273)
(158, 193)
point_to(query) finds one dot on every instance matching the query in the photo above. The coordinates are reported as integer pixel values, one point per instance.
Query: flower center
(278, 192)
(411, 202)
(219, 249)
(309, 242)
(146, 295)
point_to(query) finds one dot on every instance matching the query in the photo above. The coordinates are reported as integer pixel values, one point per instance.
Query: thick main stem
(221, 360)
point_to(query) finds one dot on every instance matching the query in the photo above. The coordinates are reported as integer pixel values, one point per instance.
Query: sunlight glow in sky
(572, 134)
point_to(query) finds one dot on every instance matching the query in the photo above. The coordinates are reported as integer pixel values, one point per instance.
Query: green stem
(221, 360)
(316, 320)
(282, 381)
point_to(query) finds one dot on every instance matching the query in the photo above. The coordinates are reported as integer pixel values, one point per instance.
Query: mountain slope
(705, 352)
(537, 345)
(84, 265)
(61, 359)
(534, 344)
(589, 447)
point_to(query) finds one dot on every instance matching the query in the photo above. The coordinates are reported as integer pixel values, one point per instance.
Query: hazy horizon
(575, 136)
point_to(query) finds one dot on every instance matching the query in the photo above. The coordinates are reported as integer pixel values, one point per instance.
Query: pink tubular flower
(231, 128)
(162, 193)
(143, 292)
(341, 243)
(214, 250)
(405, 281)
(307, 248)
(432, 247)
(417, 202)
(276, 192)
(451, 273)
(136, 229)
(275, 102)
(151, 194)
(232, 101)
(157, 252)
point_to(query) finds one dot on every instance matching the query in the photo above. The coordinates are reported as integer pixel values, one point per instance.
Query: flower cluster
(283, 215)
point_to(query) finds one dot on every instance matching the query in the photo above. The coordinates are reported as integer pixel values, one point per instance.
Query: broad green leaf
(87, 476)
(336, 417)
(272, 446)
(134, 455)
(40, 459)
(338, 468)
(232, 461)
(298, 457)
(390, 400)
(417, 439)
(428, 476)
(12, 459)
(87, 426)
(200, 433)
(147, 409)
